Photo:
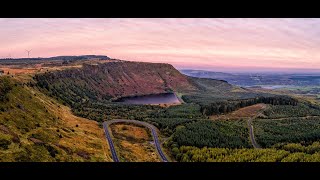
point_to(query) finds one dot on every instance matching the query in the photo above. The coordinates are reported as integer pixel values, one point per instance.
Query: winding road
(152, 128)
(251, 134)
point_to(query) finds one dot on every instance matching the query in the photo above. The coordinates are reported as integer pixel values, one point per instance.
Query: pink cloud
(201, 43)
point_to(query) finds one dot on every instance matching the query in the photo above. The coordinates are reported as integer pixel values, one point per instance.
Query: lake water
(277, 86)
(165, 98)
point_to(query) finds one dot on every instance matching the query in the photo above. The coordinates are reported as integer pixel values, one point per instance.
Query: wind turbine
(29, 52)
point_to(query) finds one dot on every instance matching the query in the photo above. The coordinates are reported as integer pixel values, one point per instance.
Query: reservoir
(164, 98)
(276, 86)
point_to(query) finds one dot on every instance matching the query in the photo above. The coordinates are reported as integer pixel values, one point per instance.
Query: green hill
(34, 127)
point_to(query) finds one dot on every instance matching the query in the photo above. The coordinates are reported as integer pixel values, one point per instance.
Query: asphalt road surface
(152, 128)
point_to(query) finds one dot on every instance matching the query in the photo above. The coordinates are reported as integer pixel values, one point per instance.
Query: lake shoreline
(152, 99)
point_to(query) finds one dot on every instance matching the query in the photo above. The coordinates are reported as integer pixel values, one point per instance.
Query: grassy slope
(133, 143)
(36, 128)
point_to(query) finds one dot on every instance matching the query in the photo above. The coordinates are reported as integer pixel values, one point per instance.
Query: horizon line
(212, 69)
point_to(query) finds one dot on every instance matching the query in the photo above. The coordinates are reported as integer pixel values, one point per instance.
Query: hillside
(91, 89)
(34, 127)
(114, 79)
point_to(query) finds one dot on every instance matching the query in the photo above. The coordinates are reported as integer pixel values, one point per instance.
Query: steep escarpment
(113, 80)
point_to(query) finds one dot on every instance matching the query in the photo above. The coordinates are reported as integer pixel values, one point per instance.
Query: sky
(208, 44)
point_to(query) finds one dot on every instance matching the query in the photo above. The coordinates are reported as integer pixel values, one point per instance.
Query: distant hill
(207, 74)
(8, 61)
(259, 79)
(234, 79)
(83, 57)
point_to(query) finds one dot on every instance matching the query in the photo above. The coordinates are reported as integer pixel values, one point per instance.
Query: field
(130, 132)
(133, 143)
(14, 71)
(304, 94)
(250, 111)
(284, 111)
(20, 67)
(34, 69)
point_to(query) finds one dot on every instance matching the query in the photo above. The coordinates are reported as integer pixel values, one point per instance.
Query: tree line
(194, 154)
(222, 107)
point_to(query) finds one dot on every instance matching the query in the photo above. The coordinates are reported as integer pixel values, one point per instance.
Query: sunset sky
(210, 44)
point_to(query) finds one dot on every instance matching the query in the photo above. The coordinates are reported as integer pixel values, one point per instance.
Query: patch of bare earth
(14, 70)
(250, 111)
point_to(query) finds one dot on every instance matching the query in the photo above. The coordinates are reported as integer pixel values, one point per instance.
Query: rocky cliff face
(118, 79)
(131, 78)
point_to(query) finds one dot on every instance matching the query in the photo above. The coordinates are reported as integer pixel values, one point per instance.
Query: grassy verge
(133, 143)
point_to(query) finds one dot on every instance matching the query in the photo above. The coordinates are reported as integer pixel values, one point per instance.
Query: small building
(1, 72)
